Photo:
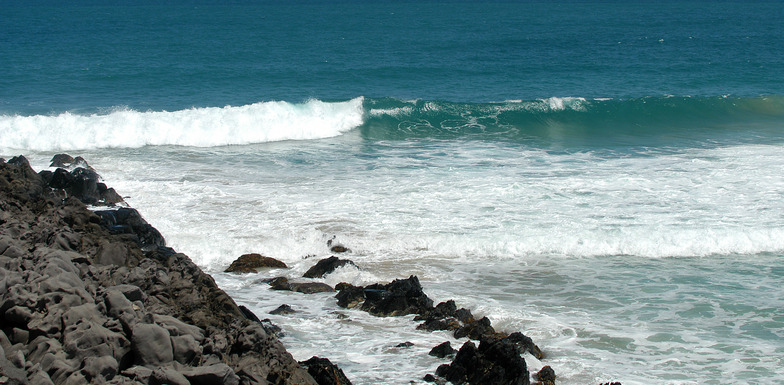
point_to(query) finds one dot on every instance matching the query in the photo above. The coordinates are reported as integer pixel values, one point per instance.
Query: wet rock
(400, 297)
(282, 283)
(524, 344)
(443, 350)
(406, 344)
(326, 266)
(476, 330)
(283, 310)
(545, 376)
(325, 372)
(494, 362)
(250, 263)
(339, 249)
(349, 296)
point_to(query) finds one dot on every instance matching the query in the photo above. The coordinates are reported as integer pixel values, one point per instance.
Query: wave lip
(199, 127)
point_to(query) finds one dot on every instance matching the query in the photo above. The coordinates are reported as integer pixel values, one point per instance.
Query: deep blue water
(84, 56)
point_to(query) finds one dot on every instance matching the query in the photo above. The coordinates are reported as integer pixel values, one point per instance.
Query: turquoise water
(605, 177)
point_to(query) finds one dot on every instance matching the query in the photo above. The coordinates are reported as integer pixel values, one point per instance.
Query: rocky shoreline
(95, 296)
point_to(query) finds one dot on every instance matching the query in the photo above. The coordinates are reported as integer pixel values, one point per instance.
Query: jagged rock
(476, 330)
(326, 266)
(443, 350)
(349, 295)
(85, 296)
(545, 376)
(494, 362)
(524, 344)
(250, 263)
(325, 372)
(126, 220)
(400, 297)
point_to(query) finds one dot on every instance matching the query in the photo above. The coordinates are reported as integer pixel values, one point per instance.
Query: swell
(567, 122)
(575, 121)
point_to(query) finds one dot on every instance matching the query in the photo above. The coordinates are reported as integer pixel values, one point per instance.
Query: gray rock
(132, 292)
(100, 368)
(169, 376)
(186, 349)
(152, 345)
(213, 374)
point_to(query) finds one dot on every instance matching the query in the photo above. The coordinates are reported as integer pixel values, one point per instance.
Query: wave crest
(199, 127)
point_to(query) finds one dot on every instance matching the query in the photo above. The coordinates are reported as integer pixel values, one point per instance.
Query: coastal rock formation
(97, 297)
(250, 263)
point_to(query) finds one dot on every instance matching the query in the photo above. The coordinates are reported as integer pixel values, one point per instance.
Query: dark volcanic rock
(249, 263)
(545, 376)
(443, 350)
(282, 283)
(326, 266)
(349, 296)
(494, 362)
(74, 177)
(400, 297)
(81, 301)
(325, 372)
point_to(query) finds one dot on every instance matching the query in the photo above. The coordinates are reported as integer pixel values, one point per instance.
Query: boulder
(152, 345)
(326, 266)
(325, 372)
(211, 374)
(282, 283)
(250, 263)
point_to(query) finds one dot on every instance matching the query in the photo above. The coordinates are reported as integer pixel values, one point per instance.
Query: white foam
(201, 127)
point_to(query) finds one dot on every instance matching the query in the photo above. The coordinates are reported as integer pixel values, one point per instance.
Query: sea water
(605, 178)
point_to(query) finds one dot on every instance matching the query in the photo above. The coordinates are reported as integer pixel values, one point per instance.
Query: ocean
(605, 177)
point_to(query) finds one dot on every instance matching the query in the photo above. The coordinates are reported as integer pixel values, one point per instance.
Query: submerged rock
(250, 263)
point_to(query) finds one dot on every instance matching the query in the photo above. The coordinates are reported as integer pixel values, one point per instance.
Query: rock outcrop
(97, 297)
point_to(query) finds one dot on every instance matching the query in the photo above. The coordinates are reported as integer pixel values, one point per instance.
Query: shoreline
(133, 292)
(84, 302)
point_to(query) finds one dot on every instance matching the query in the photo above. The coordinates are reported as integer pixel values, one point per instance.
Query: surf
(198, 127)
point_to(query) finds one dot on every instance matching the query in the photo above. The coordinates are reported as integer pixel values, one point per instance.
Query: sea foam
(199, 127)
